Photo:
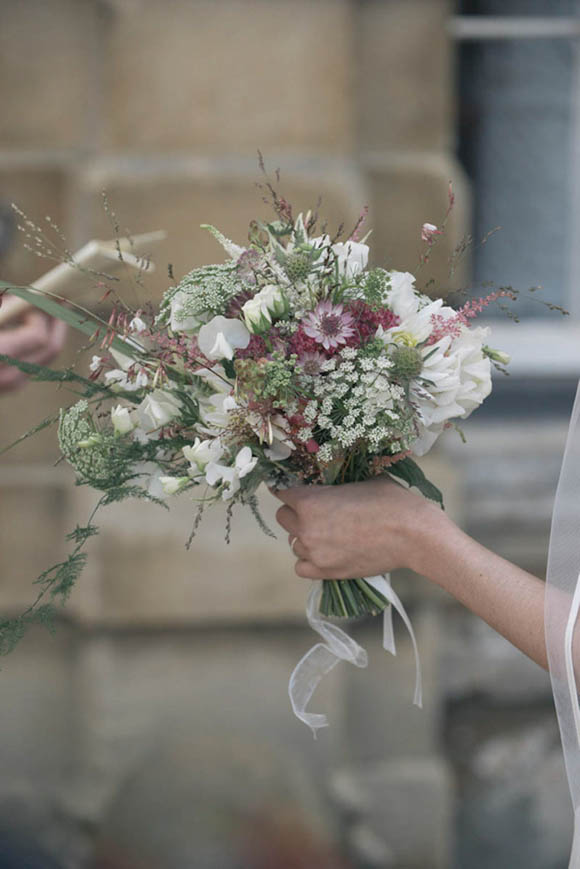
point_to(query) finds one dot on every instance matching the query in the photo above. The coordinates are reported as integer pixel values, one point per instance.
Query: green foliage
(46, 423)
(82, 533)
(410, 472)
(253, 504)
(375, 286)
(51, 375)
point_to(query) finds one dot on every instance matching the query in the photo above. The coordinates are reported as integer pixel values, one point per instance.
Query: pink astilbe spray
(452, 326)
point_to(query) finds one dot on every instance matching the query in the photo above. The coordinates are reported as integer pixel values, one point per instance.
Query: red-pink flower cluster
(443, 327)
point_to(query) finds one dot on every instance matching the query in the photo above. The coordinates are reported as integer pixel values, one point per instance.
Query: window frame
(550, 347)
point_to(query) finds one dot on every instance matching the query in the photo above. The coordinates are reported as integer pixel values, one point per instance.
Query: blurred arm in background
(31, 337)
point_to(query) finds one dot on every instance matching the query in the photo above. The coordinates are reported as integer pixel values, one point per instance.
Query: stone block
(380, 718)
(48, 73)
(404, 92)
(230, 76)
(36, 720)
(147, 575)
(406, 191)
(171, 700)
(407, 803)
(179, 195)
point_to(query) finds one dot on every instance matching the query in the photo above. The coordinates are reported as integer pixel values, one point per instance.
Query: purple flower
(311, 363)
(329, 324)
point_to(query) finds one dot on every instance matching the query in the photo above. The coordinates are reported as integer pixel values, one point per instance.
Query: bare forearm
(508, 598)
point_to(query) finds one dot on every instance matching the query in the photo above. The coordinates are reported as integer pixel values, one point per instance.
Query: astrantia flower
(311, 363)
(329, 325)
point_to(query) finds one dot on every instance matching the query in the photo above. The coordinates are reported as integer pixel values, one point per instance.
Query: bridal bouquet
(292, 362)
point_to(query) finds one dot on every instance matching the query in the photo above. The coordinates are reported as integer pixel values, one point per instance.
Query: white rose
(121, 419)
(459, 376)
(259, 310)
(221, 336)
(158, 409)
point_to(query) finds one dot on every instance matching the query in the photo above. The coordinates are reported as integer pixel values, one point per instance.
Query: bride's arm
(364, 529)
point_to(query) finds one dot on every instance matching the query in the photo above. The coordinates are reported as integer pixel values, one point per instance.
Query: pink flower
(311, 362)
(329, 325)
(428, 232)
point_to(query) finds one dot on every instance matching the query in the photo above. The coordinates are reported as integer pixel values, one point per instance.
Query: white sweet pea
(159, 408)
(137, 325)
(244, 463)
(221, 336)
(121, 419)
(214, 411)
(352, 257)
(173, 485)
(119, 381)
(201, 453)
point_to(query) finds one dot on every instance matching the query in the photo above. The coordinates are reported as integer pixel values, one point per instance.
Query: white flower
(200, 453)
(215, 377)
(428, 232)
(244, 463)
(459, 376)
(119, 381)
(403, 298)
(179, 320)
(159, 408)
(259, 310)
(221, 336)
(215, 410)
(96, 364)
(352, 257)
(137, 325)
(280, 444)
(121, 419)
(172, 485)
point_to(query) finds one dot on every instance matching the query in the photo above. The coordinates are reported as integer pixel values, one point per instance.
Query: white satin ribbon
(338, 646)
(562, 605)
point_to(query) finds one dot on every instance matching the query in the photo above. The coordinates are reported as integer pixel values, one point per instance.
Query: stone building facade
(153, 729)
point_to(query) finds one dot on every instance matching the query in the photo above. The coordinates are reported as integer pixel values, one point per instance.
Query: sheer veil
(562, 604)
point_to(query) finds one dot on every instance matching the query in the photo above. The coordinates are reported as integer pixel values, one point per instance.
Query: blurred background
(153, 730)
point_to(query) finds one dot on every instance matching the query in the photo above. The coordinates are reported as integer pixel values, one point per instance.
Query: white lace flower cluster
(355, 401)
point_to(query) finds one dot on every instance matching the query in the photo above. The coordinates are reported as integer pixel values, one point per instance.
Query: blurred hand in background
(31, 337)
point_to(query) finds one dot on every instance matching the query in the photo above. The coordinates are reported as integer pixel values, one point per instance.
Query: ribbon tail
(383, 585)
(320, 660)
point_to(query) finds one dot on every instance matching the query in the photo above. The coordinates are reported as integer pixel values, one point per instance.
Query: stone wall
(155, 727)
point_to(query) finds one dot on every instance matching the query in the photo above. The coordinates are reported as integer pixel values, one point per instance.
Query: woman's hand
(357, 530)
(34, 337)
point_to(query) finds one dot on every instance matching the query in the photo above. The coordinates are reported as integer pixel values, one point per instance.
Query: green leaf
(50, 420)
(410, 472)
